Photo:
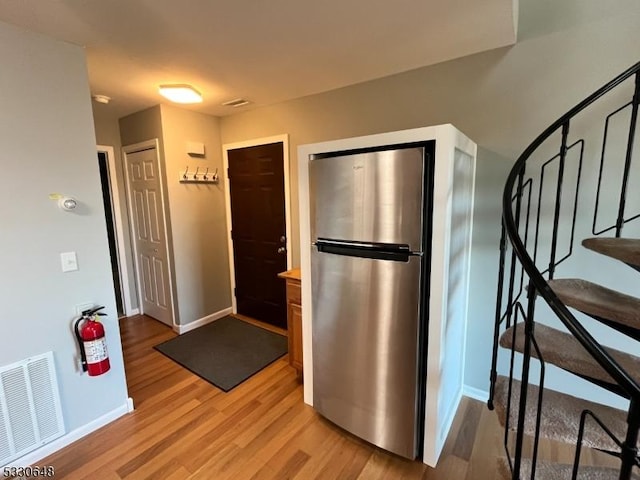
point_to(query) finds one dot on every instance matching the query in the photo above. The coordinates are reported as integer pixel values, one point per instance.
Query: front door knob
(282, 250)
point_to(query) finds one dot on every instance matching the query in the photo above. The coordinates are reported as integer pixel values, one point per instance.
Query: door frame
(126, 150)
(284, 139)
(119, 219)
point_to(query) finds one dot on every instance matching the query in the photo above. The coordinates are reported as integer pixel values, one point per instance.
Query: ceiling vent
(238, 102)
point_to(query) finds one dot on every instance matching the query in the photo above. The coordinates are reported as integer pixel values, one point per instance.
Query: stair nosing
(620, 253)
(560, 410)
(548, 338)
(589, 297)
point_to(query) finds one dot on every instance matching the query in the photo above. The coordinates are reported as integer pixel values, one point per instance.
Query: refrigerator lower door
(365, 347)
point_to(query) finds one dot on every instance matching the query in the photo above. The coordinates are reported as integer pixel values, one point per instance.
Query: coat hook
(205, 174)
(195, 175)
(215, 176)
(184, 176)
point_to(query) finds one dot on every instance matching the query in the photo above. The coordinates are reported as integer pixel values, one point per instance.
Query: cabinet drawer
(293, 292)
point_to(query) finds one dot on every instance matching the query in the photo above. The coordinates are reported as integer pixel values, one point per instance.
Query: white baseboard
(451, 415)
(475, 393)
(58, 444)
(180, 329)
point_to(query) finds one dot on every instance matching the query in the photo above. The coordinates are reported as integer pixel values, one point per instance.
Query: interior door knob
(282, 250)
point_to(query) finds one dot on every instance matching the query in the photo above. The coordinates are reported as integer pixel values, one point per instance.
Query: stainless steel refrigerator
(371, 231)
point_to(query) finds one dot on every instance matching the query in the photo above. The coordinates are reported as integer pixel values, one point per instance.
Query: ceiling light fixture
(180, 93)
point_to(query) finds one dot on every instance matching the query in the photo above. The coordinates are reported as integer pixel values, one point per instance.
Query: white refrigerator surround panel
(449, 250)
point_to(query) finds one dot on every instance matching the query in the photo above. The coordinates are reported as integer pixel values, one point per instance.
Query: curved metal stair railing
(521, 282)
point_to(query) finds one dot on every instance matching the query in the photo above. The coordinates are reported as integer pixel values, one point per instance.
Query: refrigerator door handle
(323, 241)
(372, 251)
(392, 247)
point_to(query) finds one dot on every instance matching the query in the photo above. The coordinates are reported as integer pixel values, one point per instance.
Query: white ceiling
(265, 51)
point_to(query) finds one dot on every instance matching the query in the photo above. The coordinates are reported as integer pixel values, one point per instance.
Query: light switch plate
(69, 261)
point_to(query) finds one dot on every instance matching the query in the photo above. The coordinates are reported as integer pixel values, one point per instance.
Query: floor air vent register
(30, 411)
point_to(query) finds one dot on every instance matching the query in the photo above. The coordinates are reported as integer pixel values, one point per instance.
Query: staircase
(549, 321)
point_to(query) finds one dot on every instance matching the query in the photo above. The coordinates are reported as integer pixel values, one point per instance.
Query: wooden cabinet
(294, 318)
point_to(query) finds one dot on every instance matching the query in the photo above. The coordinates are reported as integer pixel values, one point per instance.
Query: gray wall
(108, 134)
(48, 145)
(502, 99)
(195, 212)
(197, 215)
(140, 127)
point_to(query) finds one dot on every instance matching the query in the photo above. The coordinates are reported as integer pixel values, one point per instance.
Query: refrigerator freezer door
(371, 197)
(365, 335)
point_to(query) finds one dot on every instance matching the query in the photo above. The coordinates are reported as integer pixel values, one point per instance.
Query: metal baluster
(629, 447)
(526, 361)
(556, 213)
(627, 161)
(498, 319)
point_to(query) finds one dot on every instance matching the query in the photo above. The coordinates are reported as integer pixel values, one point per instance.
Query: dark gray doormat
(225, 352)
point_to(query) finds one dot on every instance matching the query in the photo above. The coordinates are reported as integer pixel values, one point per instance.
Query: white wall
(47, 144)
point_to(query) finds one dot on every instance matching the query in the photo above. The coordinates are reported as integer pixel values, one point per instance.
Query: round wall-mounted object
(101, 98)
(67, 203)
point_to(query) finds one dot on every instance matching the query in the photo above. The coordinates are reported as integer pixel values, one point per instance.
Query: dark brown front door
(256, 182)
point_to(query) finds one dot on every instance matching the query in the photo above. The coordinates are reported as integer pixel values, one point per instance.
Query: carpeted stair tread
(626, 250)
(564, 351)
(558, 471)
(598, 301)
(560, 417)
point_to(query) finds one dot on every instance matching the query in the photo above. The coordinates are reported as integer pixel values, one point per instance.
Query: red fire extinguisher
(92, 343)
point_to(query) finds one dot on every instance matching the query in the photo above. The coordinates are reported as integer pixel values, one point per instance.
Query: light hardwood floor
(185, 428)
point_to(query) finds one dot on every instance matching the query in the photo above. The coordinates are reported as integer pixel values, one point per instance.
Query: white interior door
(150, 239)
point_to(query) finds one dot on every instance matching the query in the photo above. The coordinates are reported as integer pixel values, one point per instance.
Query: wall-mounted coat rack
(198, 176)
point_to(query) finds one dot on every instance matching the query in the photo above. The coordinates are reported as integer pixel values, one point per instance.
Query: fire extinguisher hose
(83, 356)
